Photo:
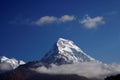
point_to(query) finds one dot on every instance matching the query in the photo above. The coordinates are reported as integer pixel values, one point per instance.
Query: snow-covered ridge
(66, 52)
(8, 64)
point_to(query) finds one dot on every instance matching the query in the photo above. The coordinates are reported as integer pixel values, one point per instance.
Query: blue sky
(29, 28)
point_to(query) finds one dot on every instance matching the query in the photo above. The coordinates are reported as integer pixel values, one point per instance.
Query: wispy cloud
(53, 19)
(66, 18)
(20, 21)
(112, 13)
(46, 20)
(89, 22)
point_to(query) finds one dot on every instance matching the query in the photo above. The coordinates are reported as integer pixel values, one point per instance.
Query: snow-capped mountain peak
(66, 45)
(9, 64)
(66, 52)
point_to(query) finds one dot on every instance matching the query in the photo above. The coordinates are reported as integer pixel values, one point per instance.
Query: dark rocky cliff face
(116, 77)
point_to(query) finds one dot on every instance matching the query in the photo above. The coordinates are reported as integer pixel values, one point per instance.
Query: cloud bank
(5, 67)
(89, 22)
(88, 69)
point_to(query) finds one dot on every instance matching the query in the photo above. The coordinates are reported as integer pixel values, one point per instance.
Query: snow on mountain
(9, 64)
(21, 62)
(66, 52)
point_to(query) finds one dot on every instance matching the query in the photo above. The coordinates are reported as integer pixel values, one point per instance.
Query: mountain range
(64, 53)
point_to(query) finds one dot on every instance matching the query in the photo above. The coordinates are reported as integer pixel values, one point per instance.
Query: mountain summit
(66, 52)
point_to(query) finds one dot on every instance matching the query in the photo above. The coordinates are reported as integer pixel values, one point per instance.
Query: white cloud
(53, 19)
(66, 18)
(88, 69)
(46, 20)
(89, 22)
(5, 67)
